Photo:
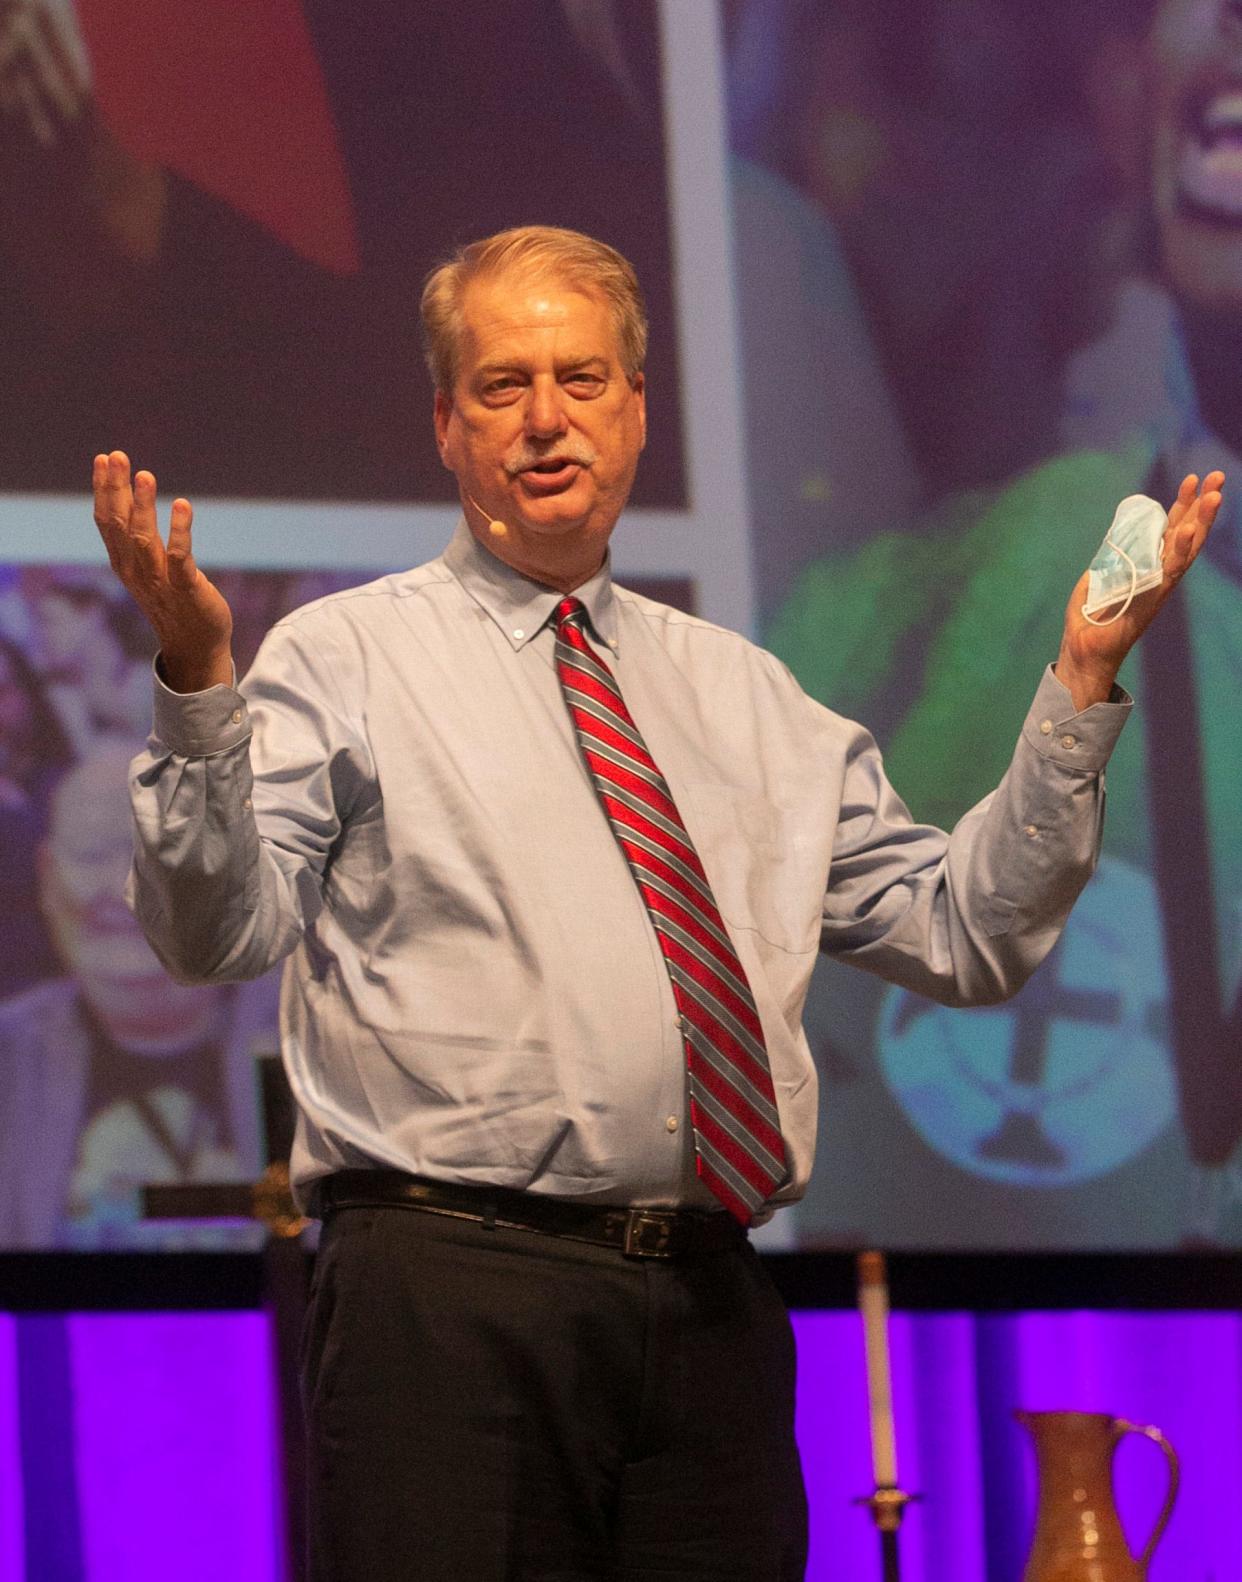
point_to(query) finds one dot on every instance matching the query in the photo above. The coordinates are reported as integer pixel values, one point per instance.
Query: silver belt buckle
(647, 1234)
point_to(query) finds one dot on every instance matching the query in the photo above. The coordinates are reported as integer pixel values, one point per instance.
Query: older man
(552, 864)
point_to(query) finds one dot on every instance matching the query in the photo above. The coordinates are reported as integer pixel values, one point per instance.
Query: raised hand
(1091, 655)
(187, 612)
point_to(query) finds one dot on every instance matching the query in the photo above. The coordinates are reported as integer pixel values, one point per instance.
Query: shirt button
(519, 632)
(236, 716)
(679, 1021)
(1045, 727)
(670, 1124)
(1069, 741)
(247, 804)
(1032, 830)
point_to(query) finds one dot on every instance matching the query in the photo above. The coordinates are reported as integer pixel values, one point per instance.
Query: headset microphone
(494, 525)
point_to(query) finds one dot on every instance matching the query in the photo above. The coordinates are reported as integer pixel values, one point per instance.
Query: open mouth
(556, 472)
(1209, 165)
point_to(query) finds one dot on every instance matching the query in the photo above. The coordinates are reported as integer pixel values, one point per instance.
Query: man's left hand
(1091, 655)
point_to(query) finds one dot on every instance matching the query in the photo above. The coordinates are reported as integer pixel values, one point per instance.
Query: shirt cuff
(198, 724)
(1083, 740)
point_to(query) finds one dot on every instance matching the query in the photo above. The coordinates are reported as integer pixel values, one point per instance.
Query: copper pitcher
(1078, 1537)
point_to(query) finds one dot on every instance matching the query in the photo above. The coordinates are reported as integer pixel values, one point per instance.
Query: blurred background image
(1038, 211)
(986, 280)
(111, 1075)
(216, 229)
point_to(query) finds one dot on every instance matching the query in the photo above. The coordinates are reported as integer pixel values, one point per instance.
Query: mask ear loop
(1133, 585)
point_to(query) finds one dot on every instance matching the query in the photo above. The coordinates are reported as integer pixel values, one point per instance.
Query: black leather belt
(637, 1232)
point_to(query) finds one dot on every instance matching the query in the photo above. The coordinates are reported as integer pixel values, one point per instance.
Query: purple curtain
(134, 1447)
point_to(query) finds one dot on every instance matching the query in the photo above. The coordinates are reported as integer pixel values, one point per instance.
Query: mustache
(525, 456)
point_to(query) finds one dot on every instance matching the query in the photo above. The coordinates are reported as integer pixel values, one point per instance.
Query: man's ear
(639, 386)
(443, 412)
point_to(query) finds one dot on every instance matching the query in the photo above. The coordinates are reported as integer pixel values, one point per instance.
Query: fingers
(1185, 499)
(1190, 521)
(182, 571)
(142, 522)
(125, 513)
(127, 517)
(113, 496)
(109, 474)
(1190, 491)
(1209, 499)
(99, 485)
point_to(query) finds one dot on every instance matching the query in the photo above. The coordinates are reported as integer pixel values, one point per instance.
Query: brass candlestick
(887, 1501)
(887, 1507)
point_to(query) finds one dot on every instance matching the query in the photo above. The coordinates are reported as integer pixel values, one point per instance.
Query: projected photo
(213, 237)
(1032, 217)
(111, 1075)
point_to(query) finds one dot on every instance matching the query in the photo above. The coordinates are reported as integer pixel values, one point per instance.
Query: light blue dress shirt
(393, 800)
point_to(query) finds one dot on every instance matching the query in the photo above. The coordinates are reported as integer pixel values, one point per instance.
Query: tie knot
(569, 610)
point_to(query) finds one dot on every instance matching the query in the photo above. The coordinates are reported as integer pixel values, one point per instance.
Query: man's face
(544, 427)
(1195, 54)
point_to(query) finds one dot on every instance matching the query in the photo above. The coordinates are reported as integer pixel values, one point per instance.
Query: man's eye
(584, 381)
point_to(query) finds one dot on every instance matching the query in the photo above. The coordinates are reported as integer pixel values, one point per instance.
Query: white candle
(873, 1301)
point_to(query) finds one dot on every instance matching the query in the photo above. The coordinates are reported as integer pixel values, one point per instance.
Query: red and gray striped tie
(739, 1150)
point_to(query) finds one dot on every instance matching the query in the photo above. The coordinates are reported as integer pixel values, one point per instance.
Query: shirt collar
(520, 607)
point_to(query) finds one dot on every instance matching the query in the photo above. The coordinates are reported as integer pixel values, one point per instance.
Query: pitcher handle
(1175, 1474)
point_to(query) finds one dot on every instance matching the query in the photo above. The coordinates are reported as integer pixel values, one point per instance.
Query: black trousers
(503, 1406)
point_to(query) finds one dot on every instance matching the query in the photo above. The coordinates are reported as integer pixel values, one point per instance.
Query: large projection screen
(932, 285)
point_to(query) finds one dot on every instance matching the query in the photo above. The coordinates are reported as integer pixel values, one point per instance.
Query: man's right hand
(187, 612)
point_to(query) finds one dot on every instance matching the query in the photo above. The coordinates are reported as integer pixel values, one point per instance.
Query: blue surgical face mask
(1127, 563)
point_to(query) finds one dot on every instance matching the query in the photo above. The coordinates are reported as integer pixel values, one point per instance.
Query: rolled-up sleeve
(238, 800)
(965, 918)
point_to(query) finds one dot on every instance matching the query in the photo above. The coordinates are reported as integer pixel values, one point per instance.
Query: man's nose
(545, 410)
